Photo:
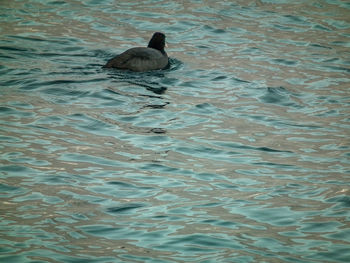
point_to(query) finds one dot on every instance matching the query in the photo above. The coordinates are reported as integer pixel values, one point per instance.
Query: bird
(142, 59)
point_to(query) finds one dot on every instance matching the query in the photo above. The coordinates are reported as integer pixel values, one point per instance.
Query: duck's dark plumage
(141, 59)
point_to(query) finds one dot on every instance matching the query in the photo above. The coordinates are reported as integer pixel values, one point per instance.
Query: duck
(142, 59)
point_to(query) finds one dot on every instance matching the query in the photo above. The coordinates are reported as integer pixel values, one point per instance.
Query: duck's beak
(166, 44)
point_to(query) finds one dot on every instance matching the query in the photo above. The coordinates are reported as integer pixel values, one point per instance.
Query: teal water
(239, 152)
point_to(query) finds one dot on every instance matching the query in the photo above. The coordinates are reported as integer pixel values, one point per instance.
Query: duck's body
(139, 59)
(142, 59)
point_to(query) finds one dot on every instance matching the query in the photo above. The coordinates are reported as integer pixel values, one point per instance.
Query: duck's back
(139, 59)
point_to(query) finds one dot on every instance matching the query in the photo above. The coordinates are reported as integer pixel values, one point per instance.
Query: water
(237, 153)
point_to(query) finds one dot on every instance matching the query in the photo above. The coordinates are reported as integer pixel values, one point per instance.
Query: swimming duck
(142, 59)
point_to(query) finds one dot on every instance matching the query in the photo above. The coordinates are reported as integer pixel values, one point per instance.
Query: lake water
(239, 152)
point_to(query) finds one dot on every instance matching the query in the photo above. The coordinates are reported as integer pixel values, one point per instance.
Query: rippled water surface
(239, 152)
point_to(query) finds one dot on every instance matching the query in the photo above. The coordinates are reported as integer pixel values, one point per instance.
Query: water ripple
(238, 152)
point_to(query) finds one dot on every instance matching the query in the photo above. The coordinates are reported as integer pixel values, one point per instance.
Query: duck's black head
(157, 41)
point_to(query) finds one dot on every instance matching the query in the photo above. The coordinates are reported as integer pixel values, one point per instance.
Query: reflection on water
(237, 153)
